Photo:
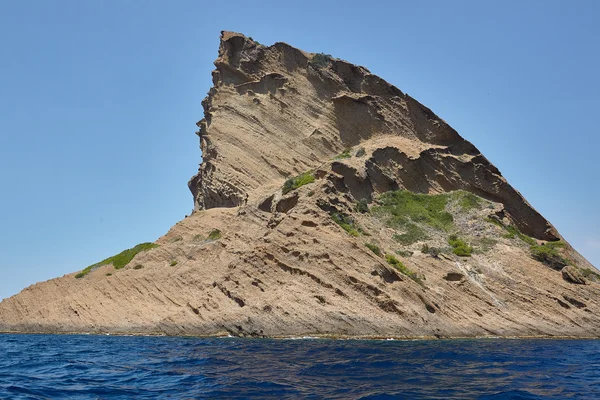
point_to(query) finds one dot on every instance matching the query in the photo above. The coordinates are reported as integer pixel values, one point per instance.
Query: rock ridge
(341, 105)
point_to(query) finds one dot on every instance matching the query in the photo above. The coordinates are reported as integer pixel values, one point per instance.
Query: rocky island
(329, 203)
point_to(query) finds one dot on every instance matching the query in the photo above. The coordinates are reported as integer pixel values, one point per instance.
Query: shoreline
(315, 336)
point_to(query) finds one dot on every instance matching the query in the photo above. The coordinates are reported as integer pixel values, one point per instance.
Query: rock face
(389, 224)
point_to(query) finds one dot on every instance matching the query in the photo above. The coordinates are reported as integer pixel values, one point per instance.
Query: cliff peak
(275, 111)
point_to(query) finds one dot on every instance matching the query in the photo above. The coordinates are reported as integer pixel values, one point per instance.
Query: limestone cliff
(328, 202)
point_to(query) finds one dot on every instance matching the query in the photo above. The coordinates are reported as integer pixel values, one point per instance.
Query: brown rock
(282, 266)
(573, 275)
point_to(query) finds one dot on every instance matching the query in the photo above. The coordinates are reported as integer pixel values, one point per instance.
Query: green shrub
(109, 274)
(404, 253)
(394, 262)
(374, 248)
(413, 234)
(549, 254)
(459, 246)
(361, 152)
(120, 260)
(362, 206)
(346, 222)
(344, 154)
(321, 59)
(401, 207)
(311, 193)
(215, 234)
(298, 181)
(138, 266)
(173, 263)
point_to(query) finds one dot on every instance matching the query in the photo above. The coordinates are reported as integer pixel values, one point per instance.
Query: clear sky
(99, 99)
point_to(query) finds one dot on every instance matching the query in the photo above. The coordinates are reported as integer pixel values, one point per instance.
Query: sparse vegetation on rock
(298, 181)
(413, 233)
(432, 251)
(362, 206)
(549, 254)
(321, 59)
(459, 246)
(374, 248)
(403, 208)
(394, 262)
(346, 222)
(120, 260)
(404, 253)
(215, 234)
(344, 154)
(467, 200)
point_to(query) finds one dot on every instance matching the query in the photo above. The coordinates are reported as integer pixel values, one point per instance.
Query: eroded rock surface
(327, 257)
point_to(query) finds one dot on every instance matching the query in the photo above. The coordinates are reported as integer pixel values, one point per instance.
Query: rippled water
(110, 367)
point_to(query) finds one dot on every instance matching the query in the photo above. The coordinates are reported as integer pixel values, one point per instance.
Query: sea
(137, 367)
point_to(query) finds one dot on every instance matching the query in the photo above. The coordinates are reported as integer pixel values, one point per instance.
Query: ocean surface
(122, 367)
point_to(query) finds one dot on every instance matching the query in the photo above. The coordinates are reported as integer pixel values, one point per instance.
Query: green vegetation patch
(404, 253)
(589, 274)
(321, 59)
(346, 222)
(138, 266)
(467, 200)
(344, 154)
(549, 254)
(298, 181)
(512, 232)
(486, 244)
(374, 248)
(120, 260)
(459, 246)
(173, 263)
(413, 234)
(394, 262)
(362, 206)
(215, 234)
(401, 207)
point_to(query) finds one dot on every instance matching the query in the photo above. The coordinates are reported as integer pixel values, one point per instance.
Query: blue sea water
(121, 367)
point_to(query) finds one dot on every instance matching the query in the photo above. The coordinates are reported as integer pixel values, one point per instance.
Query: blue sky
(99, 99)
